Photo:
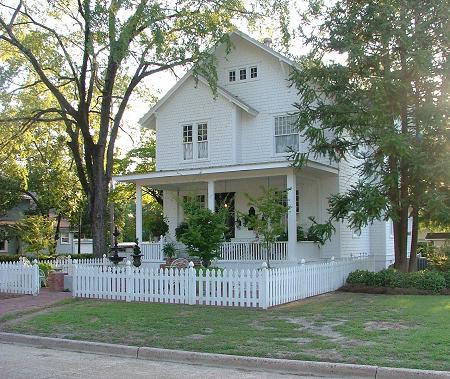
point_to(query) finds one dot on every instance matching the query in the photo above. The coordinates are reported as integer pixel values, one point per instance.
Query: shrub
(9, 258)
(446, 276)
(439, 258)
(426, 280)
(45, 267)
(422, 280)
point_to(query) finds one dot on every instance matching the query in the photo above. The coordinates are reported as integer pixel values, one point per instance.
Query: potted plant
(137, 254)
(169, 251)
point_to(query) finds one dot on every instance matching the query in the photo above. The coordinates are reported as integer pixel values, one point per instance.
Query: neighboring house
(66, 244)
(223, 146)
(437, 239)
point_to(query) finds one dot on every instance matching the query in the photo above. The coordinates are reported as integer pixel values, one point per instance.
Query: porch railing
(252, 251)
(153, 251)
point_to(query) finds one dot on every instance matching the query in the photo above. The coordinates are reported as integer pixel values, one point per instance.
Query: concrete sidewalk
(24, 362)
(252, 364)
(29, 302)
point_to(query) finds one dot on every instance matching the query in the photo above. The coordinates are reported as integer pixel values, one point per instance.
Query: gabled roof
(220, 90)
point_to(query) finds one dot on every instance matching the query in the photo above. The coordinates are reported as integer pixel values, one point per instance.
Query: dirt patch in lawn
(325, 329)
(384, 325)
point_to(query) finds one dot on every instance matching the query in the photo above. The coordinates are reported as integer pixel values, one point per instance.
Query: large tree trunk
(99, 207)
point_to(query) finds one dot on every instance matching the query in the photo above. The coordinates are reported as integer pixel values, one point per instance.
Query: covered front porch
(307, 191)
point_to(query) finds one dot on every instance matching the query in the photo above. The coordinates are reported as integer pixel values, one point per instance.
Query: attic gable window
(242, 74)
(253, 72)
(286, 134)
(232, 76)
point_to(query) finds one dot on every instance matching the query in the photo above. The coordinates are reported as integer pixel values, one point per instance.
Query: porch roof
(222, 172)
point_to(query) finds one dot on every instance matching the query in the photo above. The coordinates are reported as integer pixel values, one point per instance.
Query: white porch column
(292, 214)
(139, 212)
(211, 196)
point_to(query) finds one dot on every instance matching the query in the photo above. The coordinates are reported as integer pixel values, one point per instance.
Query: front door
(226, 200)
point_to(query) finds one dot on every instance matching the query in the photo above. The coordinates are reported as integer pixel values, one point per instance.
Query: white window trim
(61, 238)
(274, 146)
(195, 124)
(5, 250)
(247, 67)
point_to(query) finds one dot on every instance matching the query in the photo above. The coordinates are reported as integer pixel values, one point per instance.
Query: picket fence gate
(257, 288)
(19, 277)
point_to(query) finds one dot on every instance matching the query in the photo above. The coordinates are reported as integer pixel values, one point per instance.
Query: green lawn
(400, 331)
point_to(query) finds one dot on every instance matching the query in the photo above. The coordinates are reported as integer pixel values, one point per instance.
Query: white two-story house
(223, 146)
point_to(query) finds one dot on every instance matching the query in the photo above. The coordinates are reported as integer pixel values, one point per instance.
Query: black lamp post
(114, 258)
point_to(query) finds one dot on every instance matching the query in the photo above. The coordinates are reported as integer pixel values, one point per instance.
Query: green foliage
(422, 280)
(45, 267)
(374, 96)
(38, 234)
(204, 230)
(439, 258)
(9, 258)
(157, 225)
(169, 250)
(268, 222)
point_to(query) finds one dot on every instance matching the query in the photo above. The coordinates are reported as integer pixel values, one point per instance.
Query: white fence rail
(260, 288)
(286, 284)
(252, 251)
(153, 251)
(19, 277)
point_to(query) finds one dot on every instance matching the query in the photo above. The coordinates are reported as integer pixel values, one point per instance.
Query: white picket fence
(19, 277)
(258, 288)
(252, 251)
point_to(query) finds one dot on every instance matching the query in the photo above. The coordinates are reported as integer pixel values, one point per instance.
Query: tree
(91, 56)
(202, 230)
(268, 222)
(384, 111)
(37, 233)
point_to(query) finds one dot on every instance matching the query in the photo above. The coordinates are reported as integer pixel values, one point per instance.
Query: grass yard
(386, 330)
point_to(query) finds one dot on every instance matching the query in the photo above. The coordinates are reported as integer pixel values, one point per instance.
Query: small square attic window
(253, 72)
(232, 76)
(242, 73)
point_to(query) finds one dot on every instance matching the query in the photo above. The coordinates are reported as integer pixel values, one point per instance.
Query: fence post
(75, 278)
(105, 260)
(129, 281)
(36, 280)
(161, 248)
(192, 287)
(265, 287)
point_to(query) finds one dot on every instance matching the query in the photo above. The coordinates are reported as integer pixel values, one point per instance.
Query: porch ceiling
(195, 178)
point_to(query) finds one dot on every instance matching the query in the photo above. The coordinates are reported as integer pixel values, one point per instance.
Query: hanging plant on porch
(203, 230)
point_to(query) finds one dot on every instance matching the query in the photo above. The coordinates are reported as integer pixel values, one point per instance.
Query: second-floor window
(195, 141)
(286, 134)
(65, 238)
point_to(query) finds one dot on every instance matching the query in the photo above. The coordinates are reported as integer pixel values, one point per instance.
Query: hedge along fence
(422, 280)
(19, 277)
(257, 288)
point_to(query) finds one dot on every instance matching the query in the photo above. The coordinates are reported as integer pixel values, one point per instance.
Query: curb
(319, 369)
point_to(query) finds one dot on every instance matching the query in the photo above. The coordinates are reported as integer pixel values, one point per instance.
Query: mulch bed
(361, 288)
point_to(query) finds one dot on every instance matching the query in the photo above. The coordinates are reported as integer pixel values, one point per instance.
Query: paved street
(30, 362)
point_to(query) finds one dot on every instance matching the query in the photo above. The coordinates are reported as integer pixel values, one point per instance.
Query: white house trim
(241, 169)
(146, 119)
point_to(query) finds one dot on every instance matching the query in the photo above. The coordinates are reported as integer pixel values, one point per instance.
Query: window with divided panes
(195, 141)
(286, 134)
